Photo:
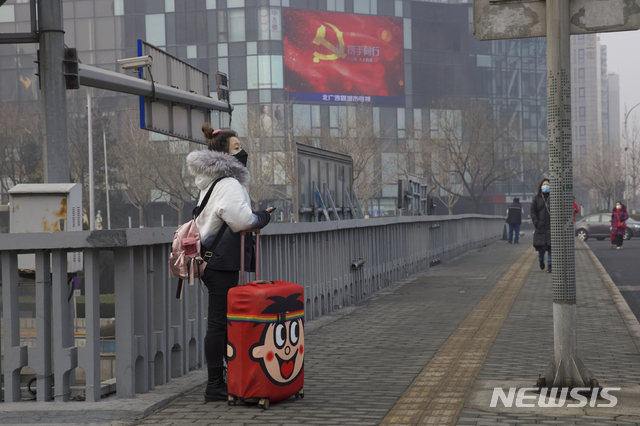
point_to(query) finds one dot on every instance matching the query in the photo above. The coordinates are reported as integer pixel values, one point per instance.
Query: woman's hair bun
(207, 130)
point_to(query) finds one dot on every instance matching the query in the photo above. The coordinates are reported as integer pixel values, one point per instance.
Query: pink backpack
(185, 261)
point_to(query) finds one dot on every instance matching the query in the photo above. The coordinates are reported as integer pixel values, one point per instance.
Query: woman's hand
(271, 210)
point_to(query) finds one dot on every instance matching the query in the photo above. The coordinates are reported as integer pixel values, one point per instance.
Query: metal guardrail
(159, 337)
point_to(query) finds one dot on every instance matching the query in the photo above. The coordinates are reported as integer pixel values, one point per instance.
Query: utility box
(46, 207)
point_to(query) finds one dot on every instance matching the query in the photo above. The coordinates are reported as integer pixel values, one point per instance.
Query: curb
(627, 315)
(110, 409)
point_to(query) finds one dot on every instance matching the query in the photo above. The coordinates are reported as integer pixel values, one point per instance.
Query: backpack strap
(208, 253)
(198, 209)
(179, 291)
(197, 262)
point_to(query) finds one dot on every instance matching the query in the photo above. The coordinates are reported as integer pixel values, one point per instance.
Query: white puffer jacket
(229, 200)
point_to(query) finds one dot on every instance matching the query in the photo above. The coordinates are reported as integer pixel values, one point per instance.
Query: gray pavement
(358, 366)
(524, 347)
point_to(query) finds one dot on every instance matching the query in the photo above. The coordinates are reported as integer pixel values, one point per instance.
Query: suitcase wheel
(263, 403)
(231, 400)
(300, 394)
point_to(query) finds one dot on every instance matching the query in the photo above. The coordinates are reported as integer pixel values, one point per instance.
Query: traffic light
(71, 68)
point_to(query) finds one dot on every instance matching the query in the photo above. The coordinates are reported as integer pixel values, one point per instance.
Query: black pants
(618, 240)
(218, 283)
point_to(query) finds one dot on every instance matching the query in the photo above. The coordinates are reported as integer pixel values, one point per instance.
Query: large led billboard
(336, 57)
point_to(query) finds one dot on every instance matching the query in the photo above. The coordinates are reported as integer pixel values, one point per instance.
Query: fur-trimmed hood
(207, 166)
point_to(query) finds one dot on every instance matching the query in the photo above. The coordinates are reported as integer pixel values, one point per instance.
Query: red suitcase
(265, 347)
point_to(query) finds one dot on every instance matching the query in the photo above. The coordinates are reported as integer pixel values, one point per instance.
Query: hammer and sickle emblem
(320, 40)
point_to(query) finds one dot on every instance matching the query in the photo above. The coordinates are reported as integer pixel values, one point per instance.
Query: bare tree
(167, 159)
(603, 172)
(270, 163)
(357, 135)
(135, 153)
(447, 186)
(104, 125)
(535, 166)
(632, 161)
(469, 149)
(21, 148)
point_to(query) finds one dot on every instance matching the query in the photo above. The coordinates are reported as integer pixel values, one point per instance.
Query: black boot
(216, 386)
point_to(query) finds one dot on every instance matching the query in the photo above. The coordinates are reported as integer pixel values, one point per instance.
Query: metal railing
(159, 337)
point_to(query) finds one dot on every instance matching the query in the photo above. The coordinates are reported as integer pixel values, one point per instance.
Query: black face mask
(242, 156)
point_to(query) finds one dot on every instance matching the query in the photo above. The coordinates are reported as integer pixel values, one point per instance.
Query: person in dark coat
(619, 218)
(541, 218)
(514, 219)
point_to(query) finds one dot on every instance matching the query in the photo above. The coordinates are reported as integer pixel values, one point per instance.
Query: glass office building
(428, 53)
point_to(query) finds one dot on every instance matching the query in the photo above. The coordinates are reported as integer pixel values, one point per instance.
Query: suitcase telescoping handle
(242, 234)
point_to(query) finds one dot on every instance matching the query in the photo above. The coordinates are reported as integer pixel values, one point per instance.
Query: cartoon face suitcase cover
(265, 350)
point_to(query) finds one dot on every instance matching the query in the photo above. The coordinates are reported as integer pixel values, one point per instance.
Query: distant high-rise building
(595, 111)
(615, 138)
(595, 97)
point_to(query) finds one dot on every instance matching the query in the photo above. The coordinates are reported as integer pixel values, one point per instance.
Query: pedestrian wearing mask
(541, 218)
(619, 218)
(514, 219)
(229, 204)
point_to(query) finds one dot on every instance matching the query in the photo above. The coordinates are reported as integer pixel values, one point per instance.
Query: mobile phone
(271, 209)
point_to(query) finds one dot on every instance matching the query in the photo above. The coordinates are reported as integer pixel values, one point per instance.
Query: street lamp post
(626, 138)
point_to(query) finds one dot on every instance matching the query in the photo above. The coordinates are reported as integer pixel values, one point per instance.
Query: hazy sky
(623, 59)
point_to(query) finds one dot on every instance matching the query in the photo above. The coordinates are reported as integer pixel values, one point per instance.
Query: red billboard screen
(335, 57)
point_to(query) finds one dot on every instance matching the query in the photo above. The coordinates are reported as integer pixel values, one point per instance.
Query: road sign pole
(54, 92)
(566, 370)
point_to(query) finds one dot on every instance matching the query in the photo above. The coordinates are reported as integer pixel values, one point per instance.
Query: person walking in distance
(229, 211)
(576, 210)
(541, 218)
(514, 219)
(619, 218)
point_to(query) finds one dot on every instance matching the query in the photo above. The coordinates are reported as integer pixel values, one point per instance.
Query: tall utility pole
(106, 176)
(92, 213)
(54, 98)
(567, 370)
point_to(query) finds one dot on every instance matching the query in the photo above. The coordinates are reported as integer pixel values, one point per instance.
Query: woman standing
(541, 218)
(619, 218)
(230, 204)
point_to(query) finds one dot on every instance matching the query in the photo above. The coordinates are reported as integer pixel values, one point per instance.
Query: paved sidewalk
(358, 366)
(363, 364)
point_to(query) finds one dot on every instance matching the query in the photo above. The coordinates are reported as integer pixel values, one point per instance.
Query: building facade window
(236, 25)
(581, 92)
(155, 29)
(118, 7)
